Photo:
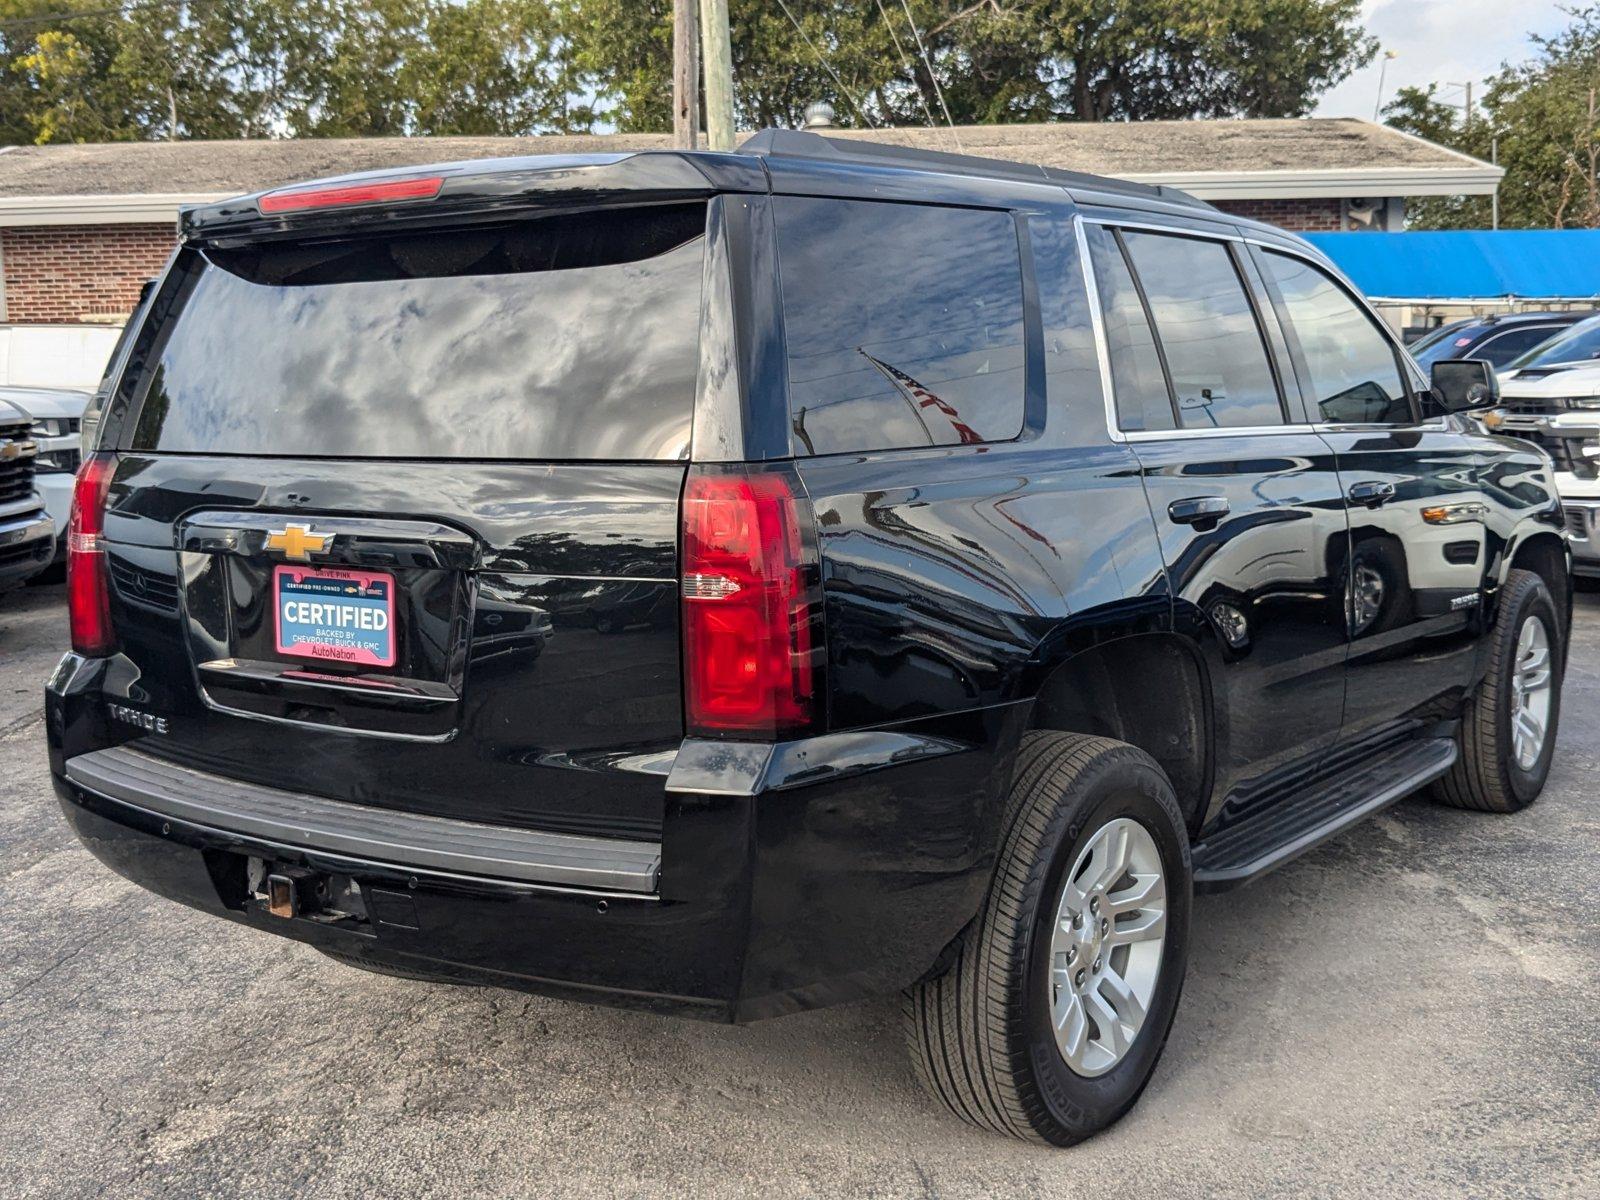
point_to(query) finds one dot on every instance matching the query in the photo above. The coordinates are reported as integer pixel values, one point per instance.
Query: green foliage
(1543, 116)
(993, 60)
(264, 68)
(254, 68)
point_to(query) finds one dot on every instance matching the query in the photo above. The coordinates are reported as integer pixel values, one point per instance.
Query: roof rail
(795, 143)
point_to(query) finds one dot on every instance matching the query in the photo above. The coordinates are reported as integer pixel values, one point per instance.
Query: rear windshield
(564, 337)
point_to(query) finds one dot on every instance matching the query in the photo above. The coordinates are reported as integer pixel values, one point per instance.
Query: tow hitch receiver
(295, 893)
(281, 898)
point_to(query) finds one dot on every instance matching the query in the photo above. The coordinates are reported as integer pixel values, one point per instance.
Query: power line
(927, 62)
(826, 66)
(906, 59)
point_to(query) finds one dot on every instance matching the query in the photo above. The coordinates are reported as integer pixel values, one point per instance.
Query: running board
(1248, 849)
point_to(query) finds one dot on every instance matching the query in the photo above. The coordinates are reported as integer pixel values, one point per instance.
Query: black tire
(980, 1033)
(1486, 776)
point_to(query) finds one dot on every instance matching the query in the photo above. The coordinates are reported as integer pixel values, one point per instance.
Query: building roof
(1256, 159)
(1542, 264)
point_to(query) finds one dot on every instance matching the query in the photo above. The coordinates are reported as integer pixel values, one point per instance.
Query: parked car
(1552, 398)
(57, 417)
(27, 535)
(1495, 339)
(1035, 550)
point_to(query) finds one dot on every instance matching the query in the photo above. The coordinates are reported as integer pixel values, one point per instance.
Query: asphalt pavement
(1413, 1009)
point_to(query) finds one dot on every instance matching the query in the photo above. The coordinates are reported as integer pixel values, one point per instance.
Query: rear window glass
(903, 323)
(1215, 356)
(564, 337)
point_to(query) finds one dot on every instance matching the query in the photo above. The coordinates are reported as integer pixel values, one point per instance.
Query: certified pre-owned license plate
(334, 615)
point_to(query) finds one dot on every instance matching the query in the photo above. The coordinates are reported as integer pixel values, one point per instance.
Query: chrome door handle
(1370, 493)
(1201, 511)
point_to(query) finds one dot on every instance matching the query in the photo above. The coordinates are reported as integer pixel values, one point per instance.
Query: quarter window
(903, 322)
(1209, 332)
(1353, 374)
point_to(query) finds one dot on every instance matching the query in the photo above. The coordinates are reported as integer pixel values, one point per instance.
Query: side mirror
(1464, 385)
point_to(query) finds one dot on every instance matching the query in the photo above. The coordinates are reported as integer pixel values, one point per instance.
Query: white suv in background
(57, 416)
(1552, 396)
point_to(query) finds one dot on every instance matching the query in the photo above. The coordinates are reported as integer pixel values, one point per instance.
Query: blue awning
(1549, 264)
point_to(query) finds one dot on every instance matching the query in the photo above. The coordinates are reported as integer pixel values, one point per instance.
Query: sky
(1440, 41)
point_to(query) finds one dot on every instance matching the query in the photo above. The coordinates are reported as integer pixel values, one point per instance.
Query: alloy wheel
(1105, 949)
(1531, 679)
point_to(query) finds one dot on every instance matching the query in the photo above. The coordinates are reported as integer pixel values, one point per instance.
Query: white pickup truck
(1552, 397)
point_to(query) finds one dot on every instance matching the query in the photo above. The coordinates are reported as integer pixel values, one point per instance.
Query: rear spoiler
(468, 191)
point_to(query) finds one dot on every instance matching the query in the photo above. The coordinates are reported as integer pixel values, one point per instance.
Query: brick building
(82, 225)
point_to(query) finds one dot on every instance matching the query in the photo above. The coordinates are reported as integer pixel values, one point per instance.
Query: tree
(987, 60)
(273, 68)
(1542, 117)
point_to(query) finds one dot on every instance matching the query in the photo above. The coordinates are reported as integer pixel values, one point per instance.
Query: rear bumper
(790, 877)
(27, 546)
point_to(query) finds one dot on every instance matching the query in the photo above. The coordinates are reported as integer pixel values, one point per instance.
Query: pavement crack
(20, 723)
(66, 957)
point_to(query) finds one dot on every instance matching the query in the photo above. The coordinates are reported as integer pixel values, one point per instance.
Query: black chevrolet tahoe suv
(732, 584)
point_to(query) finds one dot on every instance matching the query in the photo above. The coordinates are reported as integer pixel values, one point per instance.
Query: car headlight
(54, 427)
(1583, 402)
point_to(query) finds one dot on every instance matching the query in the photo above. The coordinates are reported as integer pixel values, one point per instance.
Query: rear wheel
(1049, 1022)
(1508, 733)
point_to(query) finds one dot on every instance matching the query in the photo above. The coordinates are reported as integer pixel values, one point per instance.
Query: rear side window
(1208, 332)
(1137, 379)
(565, 337)
(1354, 377)
(904, 324)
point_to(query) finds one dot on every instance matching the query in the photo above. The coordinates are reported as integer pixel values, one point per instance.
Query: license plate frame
(328, 638)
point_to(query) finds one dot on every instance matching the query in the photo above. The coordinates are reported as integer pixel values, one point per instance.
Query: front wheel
(1508, 734)
(1050, 1020)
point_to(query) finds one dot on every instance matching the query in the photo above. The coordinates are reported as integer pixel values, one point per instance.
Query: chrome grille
(16, 465)
(1577, 520)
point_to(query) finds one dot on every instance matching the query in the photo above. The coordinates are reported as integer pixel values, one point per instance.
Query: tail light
(751, 604)
(345, 194)
(88, 577)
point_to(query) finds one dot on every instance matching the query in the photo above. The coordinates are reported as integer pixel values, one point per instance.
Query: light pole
(1383, 70)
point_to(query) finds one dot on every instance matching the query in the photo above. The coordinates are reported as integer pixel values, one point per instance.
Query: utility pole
(685, 76)
(717, 50)
(1494, 199)
(1383, 73)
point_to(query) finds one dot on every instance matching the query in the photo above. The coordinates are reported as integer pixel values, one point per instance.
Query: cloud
(1440, 41)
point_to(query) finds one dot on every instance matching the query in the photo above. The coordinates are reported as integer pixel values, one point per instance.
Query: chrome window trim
(1097, 321)
(1215, 235)
(1167, 435)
